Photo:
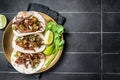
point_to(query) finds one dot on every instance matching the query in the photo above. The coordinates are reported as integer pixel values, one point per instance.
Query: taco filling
(27, 63)
(32, 60)
(29, 42)
(28, 24)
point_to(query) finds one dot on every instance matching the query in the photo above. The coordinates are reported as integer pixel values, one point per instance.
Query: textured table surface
(92, 48)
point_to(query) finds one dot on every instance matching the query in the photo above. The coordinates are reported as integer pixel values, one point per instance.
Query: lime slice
(3, 21)
(48, 37)
(49, 49)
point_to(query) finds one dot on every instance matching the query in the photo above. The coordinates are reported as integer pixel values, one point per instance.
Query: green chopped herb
(15, 55)
(19, 38)
(32, 38)
(14, 28)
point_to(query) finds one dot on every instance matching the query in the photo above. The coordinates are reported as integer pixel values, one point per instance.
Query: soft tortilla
(21, 68)
(26, 14)
(16, 47)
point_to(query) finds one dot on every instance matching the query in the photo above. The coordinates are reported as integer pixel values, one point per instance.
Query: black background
(92, 48)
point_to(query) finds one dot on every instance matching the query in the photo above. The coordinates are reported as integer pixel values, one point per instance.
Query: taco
(28, 22)
(29, 44)
(27, 63)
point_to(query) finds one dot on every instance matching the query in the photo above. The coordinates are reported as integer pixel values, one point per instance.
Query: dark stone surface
(111, 63)
(73, 5)
(83, 22)
(82, 42)
(111, 5)
(111, 77)
(70, 77)
(14, 6)
(111, 22)
(111, 43)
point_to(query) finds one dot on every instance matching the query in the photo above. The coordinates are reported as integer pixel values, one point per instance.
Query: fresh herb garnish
(19, 38)
(15, 55)
(58, 40)
(14, 28)
(57, 30)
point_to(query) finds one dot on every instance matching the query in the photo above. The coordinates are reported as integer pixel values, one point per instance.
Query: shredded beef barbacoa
(29, 42)
(28, 24)
(32, 59)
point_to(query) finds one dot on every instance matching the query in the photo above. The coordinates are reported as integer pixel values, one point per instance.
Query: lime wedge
(48, 37)
(49, 49)
(3, 21)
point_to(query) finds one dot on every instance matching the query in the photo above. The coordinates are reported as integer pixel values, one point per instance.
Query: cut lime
(48, 37)
(49, 49)
(3, 21)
